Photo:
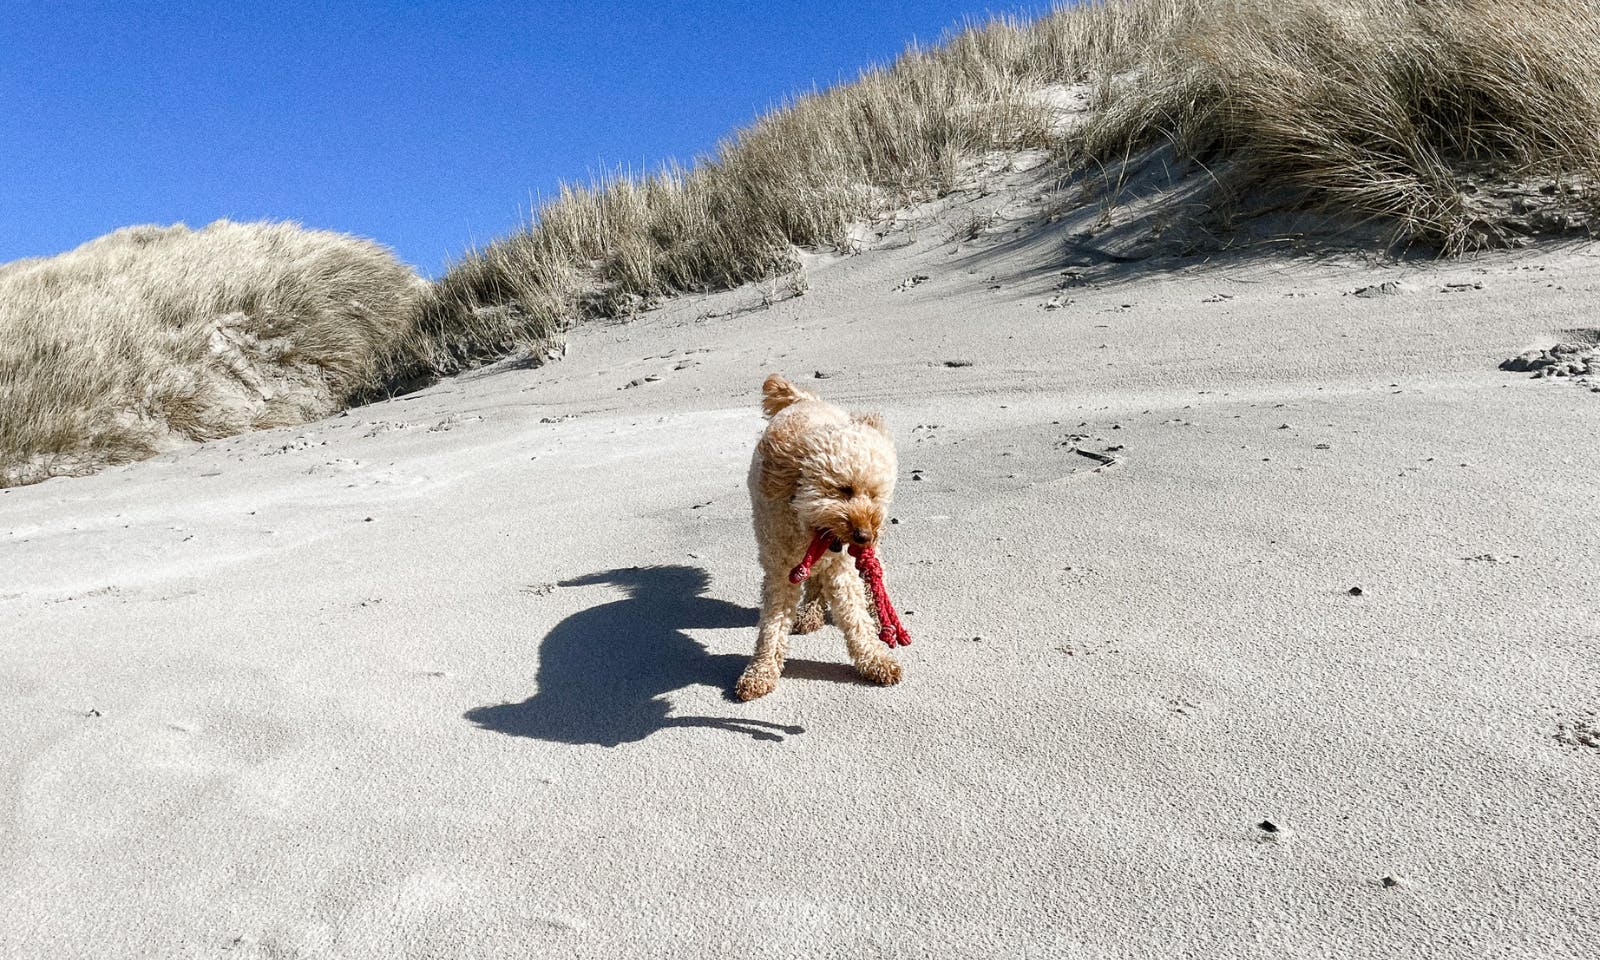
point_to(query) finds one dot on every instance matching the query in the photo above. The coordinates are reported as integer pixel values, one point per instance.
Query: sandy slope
(447, 677)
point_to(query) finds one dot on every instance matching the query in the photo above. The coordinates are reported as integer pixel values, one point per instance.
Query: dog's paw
(885, 671)
(755, 683)
(810, 620)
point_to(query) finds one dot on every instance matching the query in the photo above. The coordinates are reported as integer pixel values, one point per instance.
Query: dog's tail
(777, 393)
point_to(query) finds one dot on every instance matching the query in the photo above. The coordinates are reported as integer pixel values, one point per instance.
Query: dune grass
(799, 176)
(1394, 110)
(1370, 109)
(150, 335)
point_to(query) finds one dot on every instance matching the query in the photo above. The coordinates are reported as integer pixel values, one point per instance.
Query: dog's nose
(861, 536)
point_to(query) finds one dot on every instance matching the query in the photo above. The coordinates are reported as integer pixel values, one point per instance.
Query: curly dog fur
(816, 468)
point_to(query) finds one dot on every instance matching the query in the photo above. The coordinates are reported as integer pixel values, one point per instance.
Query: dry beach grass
(1387, 109)
(149, 335)
(1454, 125)
(1372, 108)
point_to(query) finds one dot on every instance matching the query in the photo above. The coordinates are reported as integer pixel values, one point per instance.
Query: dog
(816, 468)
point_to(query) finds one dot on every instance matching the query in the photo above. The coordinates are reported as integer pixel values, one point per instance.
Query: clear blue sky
(426, 125)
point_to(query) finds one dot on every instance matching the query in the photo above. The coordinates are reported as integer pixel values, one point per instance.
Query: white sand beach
(448, 676)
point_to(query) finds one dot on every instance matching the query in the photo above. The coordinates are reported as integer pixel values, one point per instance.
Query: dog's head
(844, 480)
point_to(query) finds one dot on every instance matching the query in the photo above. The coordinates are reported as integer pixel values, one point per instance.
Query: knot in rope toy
(890, 630)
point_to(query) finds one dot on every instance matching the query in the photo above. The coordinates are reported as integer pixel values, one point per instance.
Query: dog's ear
(873, 420)
(777, 393)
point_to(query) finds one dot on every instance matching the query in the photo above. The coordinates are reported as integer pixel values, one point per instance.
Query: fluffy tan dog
(816, 468)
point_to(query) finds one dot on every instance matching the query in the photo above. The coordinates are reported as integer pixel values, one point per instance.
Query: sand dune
(448, 676)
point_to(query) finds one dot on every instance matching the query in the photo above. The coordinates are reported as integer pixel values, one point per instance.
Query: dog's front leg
(847, 597)
(813, 612)
(779, 598)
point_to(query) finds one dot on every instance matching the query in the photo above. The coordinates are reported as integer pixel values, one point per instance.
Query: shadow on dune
(604, 672)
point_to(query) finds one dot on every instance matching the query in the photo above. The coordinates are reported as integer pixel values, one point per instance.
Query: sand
(449, 676)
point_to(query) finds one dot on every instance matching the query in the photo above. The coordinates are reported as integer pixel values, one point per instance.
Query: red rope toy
(890, 630)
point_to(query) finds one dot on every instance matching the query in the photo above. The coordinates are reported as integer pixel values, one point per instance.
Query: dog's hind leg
(779, 598)
(847, 597)
(813, 612)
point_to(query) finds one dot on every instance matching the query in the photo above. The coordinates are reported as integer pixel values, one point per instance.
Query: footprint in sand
(335, 467)
(683, 363)
(1491, 558)
(1576, 357)
(386, 426)
(293, 446)
(1089, 648)
(1387, 288)
(451, 422)
(1581, 732)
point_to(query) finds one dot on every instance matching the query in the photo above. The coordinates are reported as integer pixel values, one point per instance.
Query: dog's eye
(847, 492)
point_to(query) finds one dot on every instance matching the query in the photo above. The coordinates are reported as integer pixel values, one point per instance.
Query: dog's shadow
(604, 672)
